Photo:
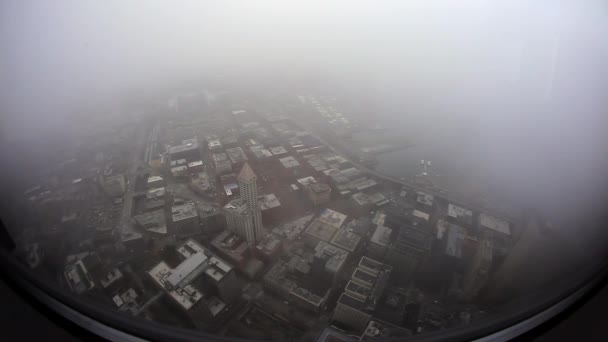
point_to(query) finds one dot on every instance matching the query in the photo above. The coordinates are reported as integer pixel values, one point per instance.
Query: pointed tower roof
(247, 175)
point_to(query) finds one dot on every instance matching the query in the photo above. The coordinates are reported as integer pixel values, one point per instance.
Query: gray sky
(529, 76)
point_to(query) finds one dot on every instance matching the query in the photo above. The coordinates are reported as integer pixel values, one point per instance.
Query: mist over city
(411, 155)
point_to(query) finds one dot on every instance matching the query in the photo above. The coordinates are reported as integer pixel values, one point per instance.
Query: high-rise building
(411, 247)
(243, 215)
(357, 304)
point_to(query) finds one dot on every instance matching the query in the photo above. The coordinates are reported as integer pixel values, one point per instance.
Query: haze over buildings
(264, 170)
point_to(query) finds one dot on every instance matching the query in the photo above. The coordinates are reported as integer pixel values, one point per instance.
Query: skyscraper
(243, 215)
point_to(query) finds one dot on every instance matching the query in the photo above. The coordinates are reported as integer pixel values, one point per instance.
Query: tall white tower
(243, 215)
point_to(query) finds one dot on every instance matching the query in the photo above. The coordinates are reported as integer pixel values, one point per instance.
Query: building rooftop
(217, 268)
(331, 335)
(414, 237)
(289, 162)
(337, 256)
(187, 145)
(361, 199)
(155, 193)
(187, 270)
(231, 245)
(421, 215)
(190, 247)
(351, 302)
(109, 278)
(346, 239)
(321, 230)
(378, 330)
(424, 198)
(219, 157)
(278, 276)
(307, 296)
(260, 152)
(195, 164)
(494, 223)
(179, 168)
(371, 266)
(153, 221)
(268, 201)
(357, 291)
(179, 162)
(332, 218)
(364, 278)
(360, 226)
(215, 143)
(320, 187)
(371, 277)
(237, 206)
(379, 218)
(236, 155)
(306, 181)
(153, 179)
(183, 211)
(291, 230)
(246, 175)
(215, 306)
(382, 235)
(463, 215)
(362, 183)
(278, 150)
(378, 199)
(186, 296)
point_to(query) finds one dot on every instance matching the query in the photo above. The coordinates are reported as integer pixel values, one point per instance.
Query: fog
(515, 86)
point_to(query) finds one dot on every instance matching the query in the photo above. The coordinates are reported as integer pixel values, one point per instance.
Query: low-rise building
(185, 283)
(237, 156)
(188, 149)
(269, 247)
(318, 231)
(292, 230)
(222, 163)
(152, 222)
(232, 247)
(185, 219)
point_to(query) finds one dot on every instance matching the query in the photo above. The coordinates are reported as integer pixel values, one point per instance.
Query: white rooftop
(382, 235)
(420, 214)
(186, 269)
(153, 179)
(186, 297)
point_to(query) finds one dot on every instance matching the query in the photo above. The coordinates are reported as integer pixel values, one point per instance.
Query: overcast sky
(529, 76)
